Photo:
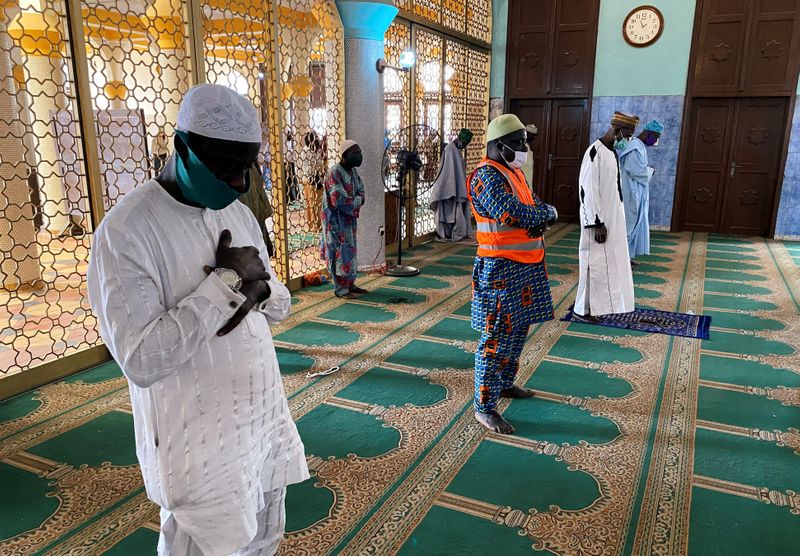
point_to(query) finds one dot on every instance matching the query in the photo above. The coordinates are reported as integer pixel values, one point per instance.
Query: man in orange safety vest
(511, 290)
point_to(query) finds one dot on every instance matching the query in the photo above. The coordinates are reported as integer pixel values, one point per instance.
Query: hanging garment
(449, 198)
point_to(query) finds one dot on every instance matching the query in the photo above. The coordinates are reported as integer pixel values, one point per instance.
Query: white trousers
(174, 541)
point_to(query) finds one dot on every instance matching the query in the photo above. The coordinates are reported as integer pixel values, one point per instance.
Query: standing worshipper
(531, 133)
(184, 292)
(636, 176)
(449, 198)
(511, 290)
(257, 201)
(341, 204)
(605, 282)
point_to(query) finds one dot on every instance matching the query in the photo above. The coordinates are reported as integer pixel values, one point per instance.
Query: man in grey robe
(449, 193)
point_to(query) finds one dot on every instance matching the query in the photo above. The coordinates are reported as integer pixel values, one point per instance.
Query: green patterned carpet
(635, 444)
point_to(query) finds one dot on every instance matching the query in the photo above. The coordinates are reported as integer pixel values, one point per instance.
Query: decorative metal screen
(477, 108)
(123, 93)
(429, 69)
(454, 14)
(398, 114)
(471, 17)
(479, 19)
(138, 72)
(119, 94)
(429, 9)
(238, 45)
(44, 204)
(456, 79)
(450, 88)
(396, 84)
(311, 87)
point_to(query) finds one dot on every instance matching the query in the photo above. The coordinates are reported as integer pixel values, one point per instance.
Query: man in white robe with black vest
(605, 284)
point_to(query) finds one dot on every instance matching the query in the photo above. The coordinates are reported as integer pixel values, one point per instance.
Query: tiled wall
(788, 225)
(664, 158)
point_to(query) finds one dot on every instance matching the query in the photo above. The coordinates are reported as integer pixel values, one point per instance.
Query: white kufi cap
(346, 144)
(218, 112)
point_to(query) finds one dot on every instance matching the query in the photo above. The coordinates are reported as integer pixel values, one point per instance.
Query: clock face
(643, 26)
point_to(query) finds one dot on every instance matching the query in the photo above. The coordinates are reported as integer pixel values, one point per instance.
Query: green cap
(502, 126)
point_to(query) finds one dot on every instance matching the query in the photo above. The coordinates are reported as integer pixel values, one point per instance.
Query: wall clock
(643, 26)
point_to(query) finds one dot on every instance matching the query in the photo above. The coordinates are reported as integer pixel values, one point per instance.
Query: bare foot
(494, 422)
(357, 290)
(516, 392)
(348, 295)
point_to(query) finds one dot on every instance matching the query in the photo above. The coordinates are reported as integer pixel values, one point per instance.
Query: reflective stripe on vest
(496, 239)
(527, 246)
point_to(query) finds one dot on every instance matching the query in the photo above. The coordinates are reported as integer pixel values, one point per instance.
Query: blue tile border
(669, 110)
(788, 223)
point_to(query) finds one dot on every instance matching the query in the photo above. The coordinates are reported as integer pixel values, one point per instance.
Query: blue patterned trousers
(496, 364)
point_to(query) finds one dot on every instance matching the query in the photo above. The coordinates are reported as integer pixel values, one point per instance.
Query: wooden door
(707, 158)
(720, 46)
(573, 47)
(537, 112)
(568, 137)
(551, 48)
(733, 157)
(752, 179)
(529, 38)
(563, 126)
(746, 47)
(773, 47)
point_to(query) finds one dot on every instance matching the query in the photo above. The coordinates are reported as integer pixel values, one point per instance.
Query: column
(365, 22)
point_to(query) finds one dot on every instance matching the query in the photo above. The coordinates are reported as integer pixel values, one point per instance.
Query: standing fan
(416, 150)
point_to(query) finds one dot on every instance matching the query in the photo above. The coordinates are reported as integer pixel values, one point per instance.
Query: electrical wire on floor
(334, 369)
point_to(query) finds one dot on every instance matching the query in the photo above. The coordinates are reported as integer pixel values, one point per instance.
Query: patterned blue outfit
(341, 206)
(508, 296)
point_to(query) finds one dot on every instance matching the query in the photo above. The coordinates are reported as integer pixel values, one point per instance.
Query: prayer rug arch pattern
(635, 444)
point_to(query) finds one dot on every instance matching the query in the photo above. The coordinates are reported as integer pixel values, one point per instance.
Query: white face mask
(520, 158)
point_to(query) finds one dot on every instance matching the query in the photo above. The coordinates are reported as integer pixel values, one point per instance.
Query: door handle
(734, 166)
(549, 161)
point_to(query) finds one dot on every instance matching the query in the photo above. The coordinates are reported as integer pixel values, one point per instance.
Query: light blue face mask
(621, 144)
(199, 184)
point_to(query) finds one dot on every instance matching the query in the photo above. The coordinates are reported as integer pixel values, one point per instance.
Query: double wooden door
(732, 162)
(743, 73)
(563, 126)
(746, 46)
(551, 48)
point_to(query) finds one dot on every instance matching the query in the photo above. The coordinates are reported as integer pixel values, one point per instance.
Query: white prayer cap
(218, 112)
(346, 144)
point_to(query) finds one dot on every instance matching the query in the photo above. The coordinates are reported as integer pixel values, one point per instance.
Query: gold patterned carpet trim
(634, 444)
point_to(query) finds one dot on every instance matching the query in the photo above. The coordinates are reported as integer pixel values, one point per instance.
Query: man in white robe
(183, 289)
(605, 283)
(636, 174)
(449, 193)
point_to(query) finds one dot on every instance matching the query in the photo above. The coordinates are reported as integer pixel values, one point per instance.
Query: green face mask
(198, 183)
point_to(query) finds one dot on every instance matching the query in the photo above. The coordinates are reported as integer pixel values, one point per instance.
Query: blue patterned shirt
(507, 294)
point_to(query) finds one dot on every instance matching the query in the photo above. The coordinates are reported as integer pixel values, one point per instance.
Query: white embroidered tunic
(605, 284)
(212, 423)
